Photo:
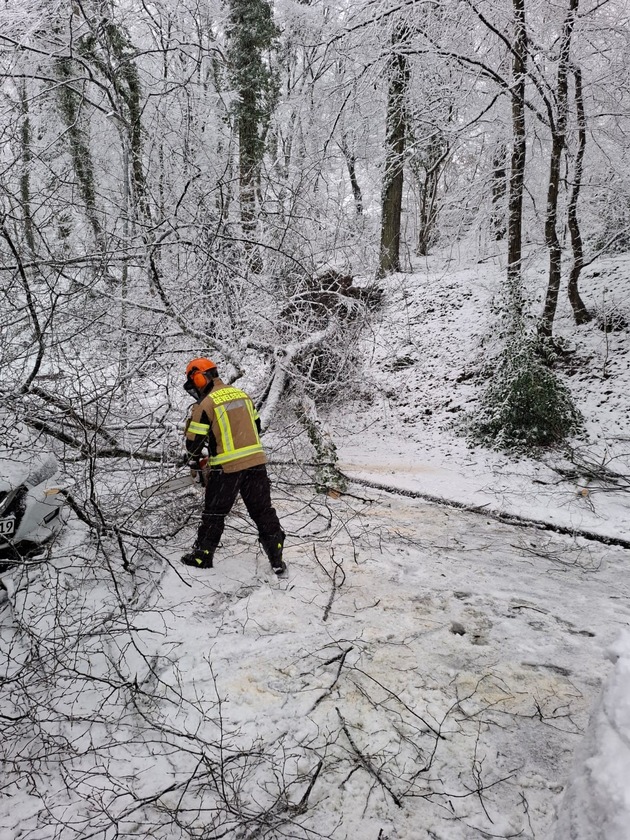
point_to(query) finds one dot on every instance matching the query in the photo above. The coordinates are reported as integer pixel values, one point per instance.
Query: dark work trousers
(221, 492)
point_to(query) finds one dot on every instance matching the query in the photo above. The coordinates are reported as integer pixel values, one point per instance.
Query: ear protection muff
(198, 379)
(198, 373)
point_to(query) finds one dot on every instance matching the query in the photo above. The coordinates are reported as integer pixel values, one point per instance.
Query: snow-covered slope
(424, 358)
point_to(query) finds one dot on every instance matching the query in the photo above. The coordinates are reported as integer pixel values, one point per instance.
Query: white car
(30, 502)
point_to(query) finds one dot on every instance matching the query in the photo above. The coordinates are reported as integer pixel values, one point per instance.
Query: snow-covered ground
(424, 672)
(441, 666)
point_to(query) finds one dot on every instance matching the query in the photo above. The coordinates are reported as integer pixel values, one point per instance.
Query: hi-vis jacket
(226, 421)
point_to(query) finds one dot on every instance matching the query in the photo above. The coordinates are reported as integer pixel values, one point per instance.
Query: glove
(197, 468)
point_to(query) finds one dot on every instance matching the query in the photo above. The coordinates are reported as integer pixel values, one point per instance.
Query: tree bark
(249, 159)
(395, 138)
(438, 152)
(70, 105)
(352, 174)
(580, 312)
(25, 176)
(252, 33)
(517, 167)
(499, 189)
(558, 142)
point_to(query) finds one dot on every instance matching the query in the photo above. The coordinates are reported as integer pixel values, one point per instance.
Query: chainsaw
(178, 483)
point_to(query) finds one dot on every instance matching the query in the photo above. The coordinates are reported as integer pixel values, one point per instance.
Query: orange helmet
(196, 372)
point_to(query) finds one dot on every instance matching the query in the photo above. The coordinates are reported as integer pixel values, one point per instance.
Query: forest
(267, 183)
(188, 176)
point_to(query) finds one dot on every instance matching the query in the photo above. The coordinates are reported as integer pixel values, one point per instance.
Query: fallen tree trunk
(499, 516)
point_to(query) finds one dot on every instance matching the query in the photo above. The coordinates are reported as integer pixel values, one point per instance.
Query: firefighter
(223, 420)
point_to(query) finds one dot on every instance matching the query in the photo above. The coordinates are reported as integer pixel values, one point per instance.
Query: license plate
(7, 526)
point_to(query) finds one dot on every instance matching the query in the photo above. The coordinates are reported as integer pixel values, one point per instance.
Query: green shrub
(525, 404)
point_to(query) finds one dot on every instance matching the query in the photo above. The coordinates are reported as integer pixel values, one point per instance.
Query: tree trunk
(70, 104)
(437, 154)
(395, 136)
(580, 312)
(25, 176)
(352, 174)
(252, 34)
(517, 168)
(427, 212)
(249, 159)
(499, 189)
(558, 142)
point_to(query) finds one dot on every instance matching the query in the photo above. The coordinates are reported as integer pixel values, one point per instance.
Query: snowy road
(440, 664)
(424, 672)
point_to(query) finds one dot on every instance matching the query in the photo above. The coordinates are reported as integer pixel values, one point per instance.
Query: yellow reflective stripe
(221, 412)
(227, 441)
(243, 452)
(253, 415)
(198, 428)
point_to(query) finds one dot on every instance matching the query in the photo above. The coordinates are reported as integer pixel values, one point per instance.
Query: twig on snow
(363, 761)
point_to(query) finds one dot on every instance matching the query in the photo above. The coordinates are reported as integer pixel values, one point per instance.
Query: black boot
(199, 558)
(272, 546)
